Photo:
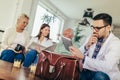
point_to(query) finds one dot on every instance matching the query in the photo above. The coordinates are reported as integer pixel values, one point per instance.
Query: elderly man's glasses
(98, 28)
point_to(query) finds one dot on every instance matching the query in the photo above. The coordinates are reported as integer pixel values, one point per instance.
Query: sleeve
(82, 48)
(50, 43)
(30, 42)
(28, 39)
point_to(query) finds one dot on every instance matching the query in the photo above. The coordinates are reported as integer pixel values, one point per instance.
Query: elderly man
(66, 41)
(101, 53)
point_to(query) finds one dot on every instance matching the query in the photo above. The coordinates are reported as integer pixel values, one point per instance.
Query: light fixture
(88, 13)
(84, 22)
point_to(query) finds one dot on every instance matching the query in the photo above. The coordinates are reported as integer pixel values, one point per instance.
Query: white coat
(107, 59)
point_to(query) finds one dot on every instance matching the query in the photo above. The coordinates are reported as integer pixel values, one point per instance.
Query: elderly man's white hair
(68, 32)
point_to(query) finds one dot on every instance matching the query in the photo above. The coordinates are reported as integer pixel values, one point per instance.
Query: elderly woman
(13, 39)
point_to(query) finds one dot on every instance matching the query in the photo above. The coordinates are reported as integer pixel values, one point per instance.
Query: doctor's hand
(92, 40)
(76, 52)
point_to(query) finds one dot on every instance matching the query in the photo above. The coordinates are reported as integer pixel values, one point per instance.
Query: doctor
(101, 53)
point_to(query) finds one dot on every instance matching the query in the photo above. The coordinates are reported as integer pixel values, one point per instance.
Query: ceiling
(74, 9)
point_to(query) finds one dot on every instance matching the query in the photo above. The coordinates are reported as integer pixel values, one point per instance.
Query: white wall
(71, 23)
(11, 9)
(7, 12)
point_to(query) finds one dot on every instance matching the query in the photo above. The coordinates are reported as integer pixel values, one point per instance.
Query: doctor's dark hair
(42, 27)
(105, 17)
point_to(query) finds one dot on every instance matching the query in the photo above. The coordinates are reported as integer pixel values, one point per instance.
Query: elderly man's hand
(76, 52)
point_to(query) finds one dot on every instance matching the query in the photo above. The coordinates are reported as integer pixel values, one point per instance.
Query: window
(40, 18)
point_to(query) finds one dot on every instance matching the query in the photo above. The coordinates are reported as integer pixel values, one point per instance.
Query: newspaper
(67, 43)
(33, 45)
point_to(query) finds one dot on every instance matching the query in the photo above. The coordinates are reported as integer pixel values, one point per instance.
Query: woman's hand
(18, 51)
(38, 49)
(76, 52)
